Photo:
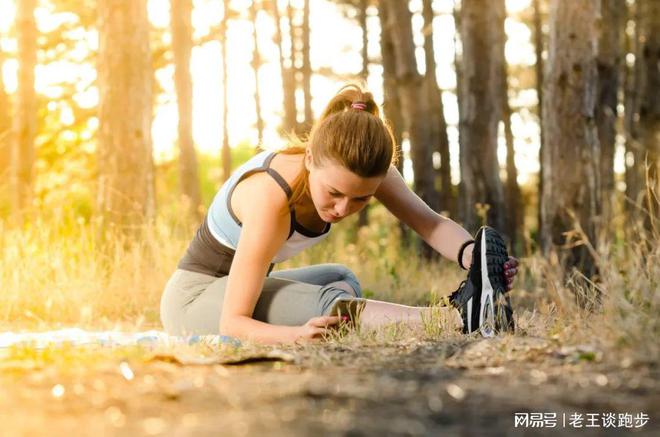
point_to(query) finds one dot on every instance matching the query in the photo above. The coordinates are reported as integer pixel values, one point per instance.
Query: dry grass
(55, 273)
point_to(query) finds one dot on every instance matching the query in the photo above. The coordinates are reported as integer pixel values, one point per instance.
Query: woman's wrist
(246, 328)
(295, 334)
(465, 254)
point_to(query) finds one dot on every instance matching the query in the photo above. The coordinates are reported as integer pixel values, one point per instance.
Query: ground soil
(470, 387)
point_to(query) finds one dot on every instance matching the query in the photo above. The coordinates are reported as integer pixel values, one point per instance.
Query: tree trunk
(514, 202)
(182, 47)
(363, 218)
(609, 64)
(440, 139)
(633, 93)
(256, 65)
(482, 34)
(306, 71)
(288, 91)
(538, 66)
(226, 153)
(25, 120)
(362, 17)
(126, 175)
(5, 133)
(456, 14)
(289, 79)
(392, 101)
(649, 115)
(515, 206)
(413, 103)
(571, 153)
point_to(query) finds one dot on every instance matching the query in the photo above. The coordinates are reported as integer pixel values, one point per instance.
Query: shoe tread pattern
(497, 255)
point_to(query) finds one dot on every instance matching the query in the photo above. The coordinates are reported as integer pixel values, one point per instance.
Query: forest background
(120, 119)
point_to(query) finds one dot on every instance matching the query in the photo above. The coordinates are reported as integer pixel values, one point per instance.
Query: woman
(277, 204)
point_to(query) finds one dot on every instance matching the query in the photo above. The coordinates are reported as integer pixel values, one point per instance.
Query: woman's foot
(481, 298)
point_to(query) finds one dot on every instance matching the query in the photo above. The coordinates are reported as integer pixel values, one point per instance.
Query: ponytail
(350, 132)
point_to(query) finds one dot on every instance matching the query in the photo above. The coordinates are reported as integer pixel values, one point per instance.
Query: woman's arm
(262, 208)
(443, 234)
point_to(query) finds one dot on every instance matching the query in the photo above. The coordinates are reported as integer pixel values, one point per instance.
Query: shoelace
(456, 294)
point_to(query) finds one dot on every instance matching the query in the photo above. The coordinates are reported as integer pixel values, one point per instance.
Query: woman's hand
(510, 271)
(315, 328)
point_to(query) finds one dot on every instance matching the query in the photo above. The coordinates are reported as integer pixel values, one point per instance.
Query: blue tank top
(225, 227)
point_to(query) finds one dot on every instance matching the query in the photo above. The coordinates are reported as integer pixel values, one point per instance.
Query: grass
(56, 273)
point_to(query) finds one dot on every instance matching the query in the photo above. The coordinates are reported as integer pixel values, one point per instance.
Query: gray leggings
(192, 302)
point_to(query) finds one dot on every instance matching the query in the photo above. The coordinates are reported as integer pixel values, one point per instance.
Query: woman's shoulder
(259, 194)
(288, 165)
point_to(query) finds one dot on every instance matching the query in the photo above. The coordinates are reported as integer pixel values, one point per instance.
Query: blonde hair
(355, 138)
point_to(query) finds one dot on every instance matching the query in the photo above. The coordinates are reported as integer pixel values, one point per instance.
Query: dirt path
(470, 387)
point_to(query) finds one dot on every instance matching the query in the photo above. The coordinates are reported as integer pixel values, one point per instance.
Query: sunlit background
(335, 46)
(64, 267)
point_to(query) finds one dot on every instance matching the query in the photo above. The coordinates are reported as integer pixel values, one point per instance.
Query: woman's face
(336, 191)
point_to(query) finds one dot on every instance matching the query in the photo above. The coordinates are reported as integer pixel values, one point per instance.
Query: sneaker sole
(493, 256)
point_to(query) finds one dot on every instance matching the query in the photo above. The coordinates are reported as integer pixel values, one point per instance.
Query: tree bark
(363, 218)
(456, 14)
(514, 202)
(539, 68)
(25, 120)
(182, 48)
(226, 153)
(126, 192)
(392, 101)
(571, 153)
(609, 65)
(256, 65)
(440, 139)
(632, 99)
(414, 105)
(289, 79)
(306, 70)
(362, 18)
(482, 34)
(288, 85)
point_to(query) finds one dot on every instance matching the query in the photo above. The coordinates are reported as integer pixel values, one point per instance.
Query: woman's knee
(346, 275)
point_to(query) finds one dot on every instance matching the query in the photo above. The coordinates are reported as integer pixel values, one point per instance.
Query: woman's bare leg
(377, 313)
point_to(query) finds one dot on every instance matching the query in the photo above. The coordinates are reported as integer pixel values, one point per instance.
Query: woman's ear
(308, 161)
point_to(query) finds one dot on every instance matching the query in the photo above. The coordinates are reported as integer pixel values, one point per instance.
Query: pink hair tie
(359, 105)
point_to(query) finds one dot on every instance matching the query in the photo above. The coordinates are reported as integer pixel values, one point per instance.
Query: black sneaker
(481, 298)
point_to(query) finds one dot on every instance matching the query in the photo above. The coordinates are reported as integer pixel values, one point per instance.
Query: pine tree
(182, 47)
(25, 119)
(126, 189)
(609, 66)
(482, 36)
(571, 150)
